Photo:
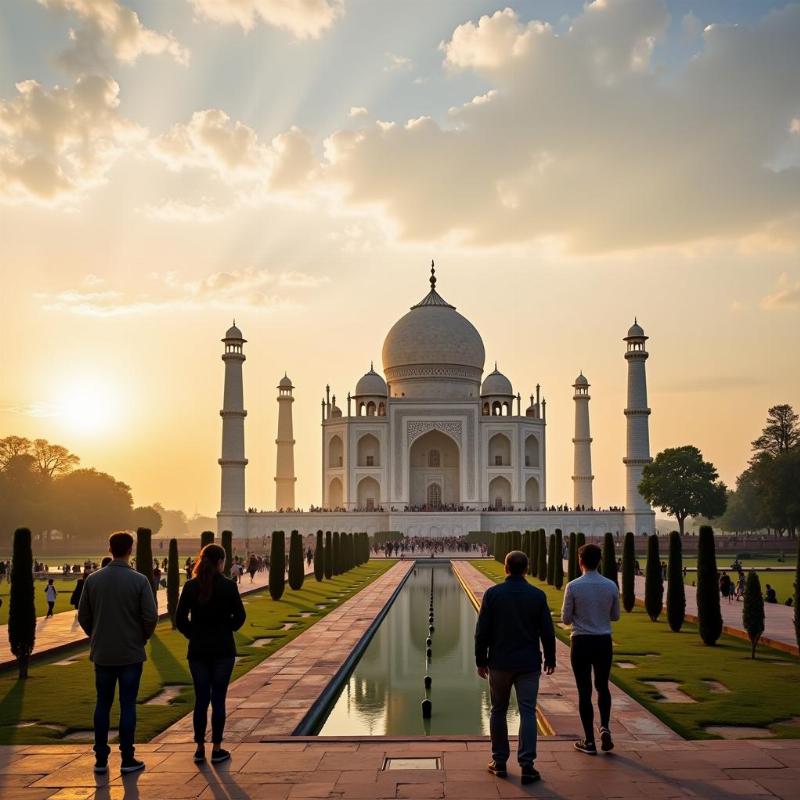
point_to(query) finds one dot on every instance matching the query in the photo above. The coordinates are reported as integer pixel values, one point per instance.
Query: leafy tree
(558, 565)
(296, 571)
(753, 610)
(206, 537)
(144, 555)
(328, 556)
(226, 540)
(654, 583)
(194, 526)
(21, 603)
(777, 482)
(780, 434)
(551, 560)
(174, 522)
(53, 459)
(709, 614)
(628, 572)
(319, 558)
(173, 580)
(146, 517)
(543, 570)
(572, 557)
(676, 591)
(680, 483)
(12, 446)
(277, 565)
(745, 509)
(609, 559)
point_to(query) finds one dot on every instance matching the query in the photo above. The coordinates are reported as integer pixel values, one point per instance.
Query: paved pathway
(274, 696)
(558, 697)
(779, 624)
(345, 769)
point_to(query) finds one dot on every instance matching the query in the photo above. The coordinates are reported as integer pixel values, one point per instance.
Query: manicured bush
(21, 602)
(337, 554)
(628, 572)
(206, 537)
(144, 555)
(558, 566)
(173, 580)
(709, 614)
(319, 558)
(753, 610)
(572, 557)
(676, 591)
(609, 562)
(327, 558)
(580, 541)
(516, 540)
(542, 574)
(654, 583)
(535, 553)
(277, 565)
(551, 560)
(227, 545)
(296, 561)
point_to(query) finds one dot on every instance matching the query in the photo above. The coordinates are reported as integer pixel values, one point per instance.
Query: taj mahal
(431, 447)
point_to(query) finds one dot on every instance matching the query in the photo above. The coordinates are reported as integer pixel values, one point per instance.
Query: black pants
(211, 678)
(50, 604)
(588, 653)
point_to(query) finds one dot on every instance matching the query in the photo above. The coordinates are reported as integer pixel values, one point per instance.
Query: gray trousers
(526, 686)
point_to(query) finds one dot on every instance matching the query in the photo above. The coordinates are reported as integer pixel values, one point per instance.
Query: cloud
(251, 288)
(397, 63)
(39, 409)
(358, 111)
(110, 31)
(583, 141)
(56, 143)
(304, 19)
(173, 210)
(786, 296)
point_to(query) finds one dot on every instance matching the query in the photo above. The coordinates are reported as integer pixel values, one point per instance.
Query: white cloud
(174, 210)
(786, 296)
(304, 19)
(397, 63)
(55, 143)
(111, 31)
(358, 111)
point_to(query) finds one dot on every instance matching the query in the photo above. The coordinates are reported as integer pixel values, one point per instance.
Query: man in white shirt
(591, 604)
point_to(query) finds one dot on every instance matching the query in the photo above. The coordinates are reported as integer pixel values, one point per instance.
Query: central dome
(433, 352)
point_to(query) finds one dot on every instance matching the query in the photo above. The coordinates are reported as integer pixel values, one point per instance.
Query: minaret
(284, 470)
(636, 413)
(233, 461)
(582, 475)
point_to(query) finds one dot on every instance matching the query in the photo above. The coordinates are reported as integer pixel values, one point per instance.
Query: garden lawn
(58, 699)
(762, 693)
(64, 587)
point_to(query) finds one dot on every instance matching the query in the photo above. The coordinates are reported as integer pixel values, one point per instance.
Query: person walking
(75, 597)
(50, 593)
(210, 609)
(118, 613)
(514, 618)
(591, 604)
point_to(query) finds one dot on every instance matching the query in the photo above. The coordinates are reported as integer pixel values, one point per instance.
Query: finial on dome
(495, 365)
(433, 276)
(371, 366)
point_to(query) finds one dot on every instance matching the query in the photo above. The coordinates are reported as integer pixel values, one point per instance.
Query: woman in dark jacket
(209, 611)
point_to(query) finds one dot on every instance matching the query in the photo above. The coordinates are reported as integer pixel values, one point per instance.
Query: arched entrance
(532, 494)
(369, 494)
(434, 461)
(335, 493)
(499, 493)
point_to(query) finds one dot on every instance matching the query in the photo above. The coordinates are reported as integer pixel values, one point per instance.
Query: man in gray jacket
(119, 614)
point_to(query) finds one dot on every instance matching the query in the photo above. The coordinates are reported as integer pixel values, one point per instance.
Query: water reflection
(385, 692)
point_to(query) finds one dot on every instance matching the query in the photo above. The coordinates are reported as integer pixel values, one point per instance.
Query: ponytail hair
(206, 568)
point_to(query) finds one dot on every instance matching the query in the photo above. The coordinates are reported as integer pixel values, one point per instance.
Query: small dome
(285, 382)
(581, 380)
(233, 332)
(635, 330)
(530, 411)
(336, 412)
(371, 384)
(496, 383)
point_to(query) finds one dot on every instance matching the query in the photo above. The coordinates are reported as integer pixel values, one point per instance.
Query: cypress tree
(227, 545)
(327, 557)
(144, 555)
(542, 575)
(558, 567)
(319, 558)
(277, 565)
(654, 585)
(206, 537)
(609, 562)
(516, 540)
(296, 561)
(347, 539)
(709, 614)
(337, 553)
(173, 580)
(580, 541)
(551, 559)
(797, 594)
(676, 592)
(628, 572)
(572, 557)
(535, 553)
(753, 610)
(21, 602)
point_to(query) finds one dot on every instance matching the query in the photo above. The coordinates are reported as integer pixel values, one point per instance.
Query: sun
(88, 406)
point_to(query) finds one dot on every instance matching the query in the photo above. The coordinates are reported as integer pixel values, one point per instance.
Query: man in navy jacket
(513, 620)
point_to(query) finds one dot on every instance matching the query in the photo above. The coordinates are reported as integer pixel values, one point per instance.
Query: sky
(168, 165)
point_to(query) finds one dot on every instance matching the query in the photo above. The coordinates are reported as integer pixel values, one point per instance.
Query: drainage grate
(411, 763)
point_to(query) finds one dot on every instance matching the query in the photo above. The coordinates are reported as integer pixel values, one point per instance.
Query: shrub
(709, 615)
(227, 546)
(296, 561)
(654, 584)
(551, 559)
(21, 603)
(277, 565)
(337, 554)
(609, 561)
(676, 592)
(572, 557)
(319, 558)
(753, 610)
(173, 580)
(327, 558)
(144, 555)
(628, 572)
(206, 537)
(580, 540)
(558, 565)
(542, 575)
(534, 553)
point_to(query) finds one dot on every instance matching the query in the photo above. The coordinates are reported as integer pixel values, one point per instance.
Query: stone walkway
(558, 697)
(274, 696)
(345, 769)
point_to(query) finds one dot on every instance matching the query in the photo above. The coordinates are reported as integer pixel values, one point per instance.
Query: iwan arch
(433, 448)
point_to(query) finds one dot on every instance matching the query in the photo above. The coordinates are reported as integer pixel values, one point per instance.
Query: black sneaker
(590, 748)
(498, 768)
(100, 765)
(200, 754)
(131, 765)
(606, 742)
(218, 756)
(530, 775)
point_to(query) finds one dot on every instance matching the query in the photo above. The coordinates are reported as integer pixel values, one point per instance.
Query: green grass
(63, 696)
(763, 693)
(782, 582)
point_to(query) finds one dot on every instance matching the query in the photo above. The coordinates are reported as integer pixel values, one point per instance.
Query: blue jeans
(211, 678)
(105, 681)
(526, 686)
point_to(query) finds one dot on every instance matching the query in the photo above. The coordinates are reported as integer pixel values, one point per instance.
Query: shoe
(590, 748)
(100, 765)
(131, 765)
(218, 756)
(200, 754)
(530, 775)
(498, 769)
(606, 742)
